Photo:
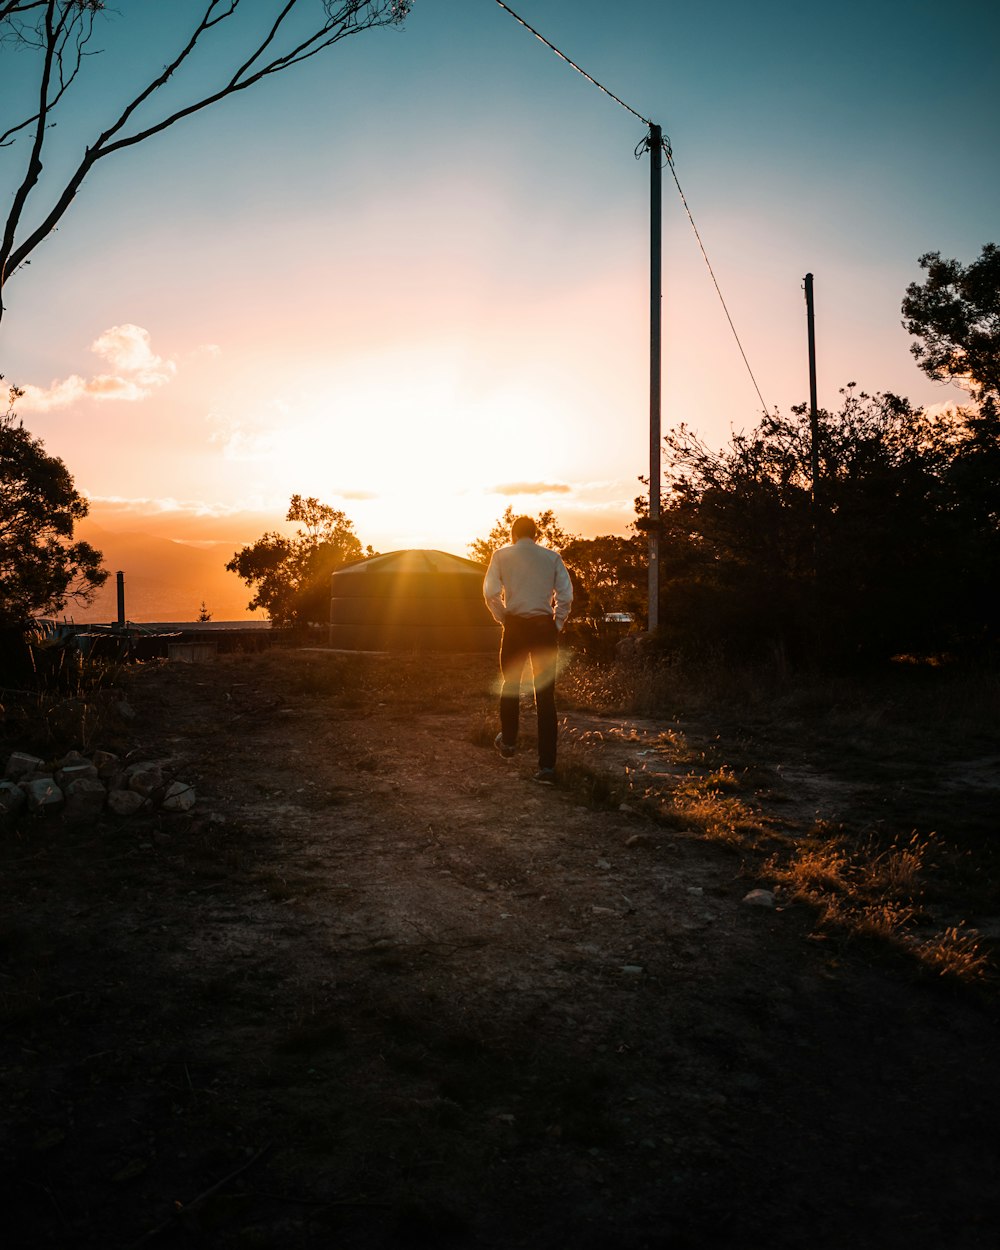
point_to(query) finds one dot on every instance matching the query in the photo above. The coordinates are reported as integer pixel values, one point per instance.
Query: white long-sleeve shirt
(527, 580)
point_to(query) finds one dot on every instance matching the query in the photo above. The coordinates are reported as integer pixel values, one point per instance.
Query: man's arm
(493, 590)
(563, 593)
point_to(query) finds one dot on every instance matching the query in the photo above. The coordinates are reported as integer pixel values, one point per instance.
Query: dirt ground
(378, 989)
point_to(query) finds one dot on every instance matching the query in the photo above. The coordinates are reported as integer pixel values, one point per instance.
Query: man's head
(523, 527)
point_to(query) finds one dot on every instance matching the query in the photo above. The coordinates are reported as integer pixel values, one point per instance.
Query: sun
(408, 445)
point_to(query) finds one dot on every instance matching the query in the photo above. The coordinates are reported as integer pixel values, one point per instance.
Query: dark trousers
(531, 638)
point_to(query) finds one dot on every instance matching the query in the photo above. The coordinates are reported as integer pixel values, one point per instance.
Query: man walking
(529, 593)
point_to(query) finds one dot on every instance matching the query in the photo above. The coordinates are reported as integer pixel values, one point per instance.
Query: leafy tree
(41, 567)
(291, 576)
(550, 534)
(901, 551)
(610, 574)
(955, 315)
(242, 42)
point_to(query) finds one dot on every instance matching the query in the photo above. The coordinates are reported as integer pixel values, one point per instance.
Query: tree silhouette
(41, 567)
(610, 574)
(906, 528)
(955, 316)
(291, 576)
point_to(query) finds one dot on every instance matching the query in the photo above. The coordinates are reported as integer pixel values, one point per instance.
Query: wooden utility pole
(655, 303)
(813, 409)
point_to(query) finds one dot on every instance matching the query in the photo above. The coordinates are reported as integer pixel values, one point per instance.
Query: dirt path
(453, 1008)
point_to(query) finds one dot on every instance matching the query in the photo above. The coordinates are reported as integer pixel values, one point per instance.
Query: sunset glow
(411, 277)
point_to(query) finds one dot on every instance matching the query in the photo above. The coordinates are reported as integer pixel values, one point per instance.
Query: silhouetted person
(529, 593)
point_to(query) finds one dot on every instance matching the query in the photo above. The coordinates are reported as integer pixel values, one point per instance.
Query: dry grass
(49, 724)
(955, 953)
(867, 892)
(886, 736)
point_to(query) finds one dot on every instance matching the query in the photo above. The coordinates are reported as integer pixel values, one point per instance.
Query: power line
(670, 162)
(562, 56)
(642, 147)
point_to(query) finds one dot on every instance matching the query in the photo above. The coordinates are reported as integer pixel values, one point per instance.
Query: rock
(43, 795)
(12, 798)
(144, 779)
(180, 797)
(602, 863)
(105, 763)
(125, 710)
(632, 970)
(639, 839)
(126, 802)
(20, 765)
(75, 770)
(759, 898)
(85, 797)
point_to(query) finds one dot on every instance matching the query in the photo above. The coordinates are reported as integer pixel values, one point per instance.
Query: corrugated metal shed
(412, 600)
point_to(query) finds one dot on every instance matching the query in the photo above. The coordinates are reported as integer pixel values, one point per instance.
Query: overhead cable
(562, 56)
(643, 146)
(715, 283)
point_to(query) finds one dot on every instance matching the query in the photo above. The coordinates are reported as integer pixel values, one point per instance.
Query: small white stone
(759, 898)
(75, 770)
(105, 762)
(125, 802)
(180, 797)
(144, 778)
(44, 796)
(20, 765)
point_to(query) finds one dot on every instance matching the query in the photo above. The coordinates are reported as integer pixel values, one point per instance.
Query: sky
(411, 277)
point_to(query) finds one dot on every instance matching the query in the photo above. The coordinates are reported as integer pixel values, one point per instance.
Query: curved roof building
(411, 600)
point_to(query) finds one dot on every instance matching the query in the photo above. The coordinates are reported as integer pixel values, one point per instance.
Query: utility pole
(655, 141)
(813, 410)
(120, 582)
(814, 455)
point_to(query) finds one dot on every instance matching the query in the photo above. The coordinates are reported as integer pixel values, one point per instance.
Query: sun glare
(409, 448)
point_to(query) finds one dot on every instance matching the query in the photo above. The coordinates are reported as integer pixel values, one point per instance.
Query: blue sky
(412, 275)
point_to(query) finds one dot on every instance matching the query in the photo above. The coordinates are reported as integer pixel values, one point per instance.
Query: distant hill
(164, 580)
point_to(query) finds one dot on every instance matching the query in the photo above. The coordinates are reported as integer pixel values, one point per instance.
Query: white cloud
(149, 505)
(136, 372)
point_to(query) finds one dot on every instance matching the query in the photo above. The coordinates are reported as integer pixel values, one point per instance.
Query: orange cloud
(532, 488)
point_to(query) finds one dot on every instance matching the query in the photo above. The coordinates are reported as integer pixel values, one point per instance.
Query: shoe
(506, 751)
(545, 777)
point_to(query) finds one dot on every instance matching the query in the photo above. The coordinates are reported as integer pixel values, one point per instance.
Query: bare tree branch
(77, 33)
(58, 33)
